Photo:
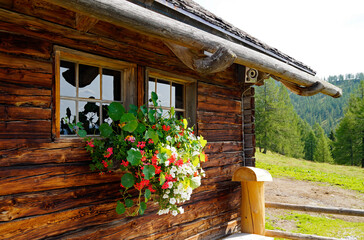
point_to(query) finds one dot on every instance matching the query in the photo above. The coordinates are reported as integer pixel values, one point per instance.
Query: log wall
(46, 187)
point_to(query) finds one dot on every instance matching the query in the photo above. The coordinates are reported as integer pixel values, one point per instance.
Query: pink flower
(124, 163)
(91, 143)
(179, 163)
(150, 141)
(108, 152)
(166, 128)
(165, 185)
(141, 145)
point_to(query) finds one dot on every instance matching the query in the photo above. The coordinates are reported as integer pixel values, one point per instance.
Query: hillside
(297, 181)
(325, 110)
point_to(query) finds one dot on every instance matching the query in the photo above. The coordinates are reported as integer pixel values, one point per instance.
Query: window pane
(67, 110)
(111, 85)
(179, 115)
(67, 79)
(89, 82)
(105, 116)
(151, 88)
(164, 93)
(177, 95)
(89, 115)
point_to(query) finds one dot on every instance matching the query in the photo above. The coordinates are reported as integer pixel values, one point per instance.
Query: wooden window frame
(128, 85)
(190, 90)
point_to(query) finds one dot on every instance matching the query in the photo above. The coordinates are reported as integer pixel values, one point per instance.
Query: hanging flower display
(157, 154)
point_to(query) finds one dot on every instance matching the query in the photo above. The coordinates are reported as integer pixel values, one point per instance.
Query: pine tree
(322, 151)
(310, 145)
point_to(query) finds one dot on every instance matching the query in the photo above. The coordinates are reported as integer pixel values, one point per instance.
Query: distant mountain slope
(325, 110)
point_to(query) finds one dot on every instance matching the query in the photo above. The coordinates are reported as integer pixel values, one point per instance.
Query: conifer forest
(317, 128)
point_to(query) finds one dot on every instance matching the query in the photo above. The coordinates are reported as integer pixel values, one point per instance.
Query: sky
(326, 35)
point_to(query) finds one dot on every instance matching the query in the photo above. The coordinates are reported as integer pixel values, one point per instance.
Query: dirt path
(310, 193)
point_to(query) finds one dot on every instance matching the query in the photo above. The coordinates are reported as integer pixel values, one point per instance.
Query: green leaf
(142, 208)
(131, 126)
(127, 117)
(129, 203)
(144, 109)
(154, 99)
(141, 128)
(116, 110)
(79, 125)
(149, 171)
(185, 123)
(105, 130)
(172, 112)
(202, 157)
(133, 109)
(127, 180)
(82, 133)
(147, 194)
(163, 157)
(153, 135)
(151, 115)
(120, 208)
(134, 157)
(162, 178)
(194, 184)
(195, 160)
(203, 142)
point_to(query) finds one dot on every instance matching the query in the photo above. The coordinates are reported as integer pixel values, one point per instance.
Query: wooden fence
(298, 236)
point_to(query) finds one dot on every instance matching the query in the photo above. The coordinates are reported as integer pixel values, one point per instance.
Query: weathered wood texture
(46, 187)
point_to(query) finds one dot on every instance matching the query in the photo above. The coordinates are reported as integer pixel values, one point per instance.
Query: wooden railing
(298, 236)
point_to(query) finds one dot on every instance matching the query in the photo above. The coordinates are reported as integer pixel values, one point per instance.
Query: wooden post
(252, 198)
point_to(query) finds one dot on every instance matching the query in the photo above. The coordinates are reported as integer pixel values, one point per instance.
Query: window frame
(189, 91)
(127, 87)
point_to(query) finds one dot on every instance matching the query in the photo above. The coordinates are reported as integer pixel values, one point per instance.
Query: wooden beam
(304, 91)
(142, 20)
(84, 23)
(329, 210)
(217, 62)
(295, 236)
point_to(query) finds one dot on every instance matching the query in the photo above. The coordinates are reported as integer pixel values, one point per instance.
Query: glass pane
(67, 115)
(177, 95)
(105, 116)
(111, 85)
(89, 82)
(151, 88)
(179, 115)
(164, 93)
(89, 115)
(67, 79)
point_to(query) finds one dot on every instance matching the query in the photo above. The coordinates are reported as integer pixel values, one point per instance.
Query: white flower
(165, 196)
(197, 180)
(181, 210)
(170, 185)
(172, 201)
(169, 138)
(166, 163)
(167, 191)
(174, 213)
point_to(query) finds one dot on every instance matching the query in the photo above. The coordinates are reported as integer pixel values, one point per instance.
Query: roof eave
(131, 16)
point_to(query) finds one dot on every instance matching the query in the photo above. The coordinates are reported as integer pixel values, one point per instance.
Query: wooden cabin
(202, 65)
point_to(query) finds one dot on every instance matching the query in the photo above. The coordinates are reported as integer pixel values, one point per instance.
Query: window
(86, 85)
(173, 92)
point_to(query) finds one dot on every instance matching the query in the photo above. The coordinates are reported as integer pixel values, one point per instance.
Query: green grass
(346, 177)
(321, 226)
(281, 166)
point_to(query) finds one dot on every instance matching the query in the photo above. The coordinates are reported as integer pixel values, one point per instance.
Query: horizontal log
(25, 205)
(295, 236)
(208, 212)
(26, 76)
(43, 155)
(24, 45)
(6, 145)
(13, 113)
(17, 89)
(218, 231)
(6, 3)
(329, 210)
(47, 11)
(215, 126)
(213, 104)
(219, 147)
(221, 135)
(218, 91)
(25, 129)
(220, 159)
(131, 16)
(15, 62)
(31, 101)
(218, 117)
(44, 177)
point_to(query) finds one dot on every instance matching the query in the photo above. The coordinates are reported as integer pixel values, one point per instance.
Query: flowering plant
(158, 155)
